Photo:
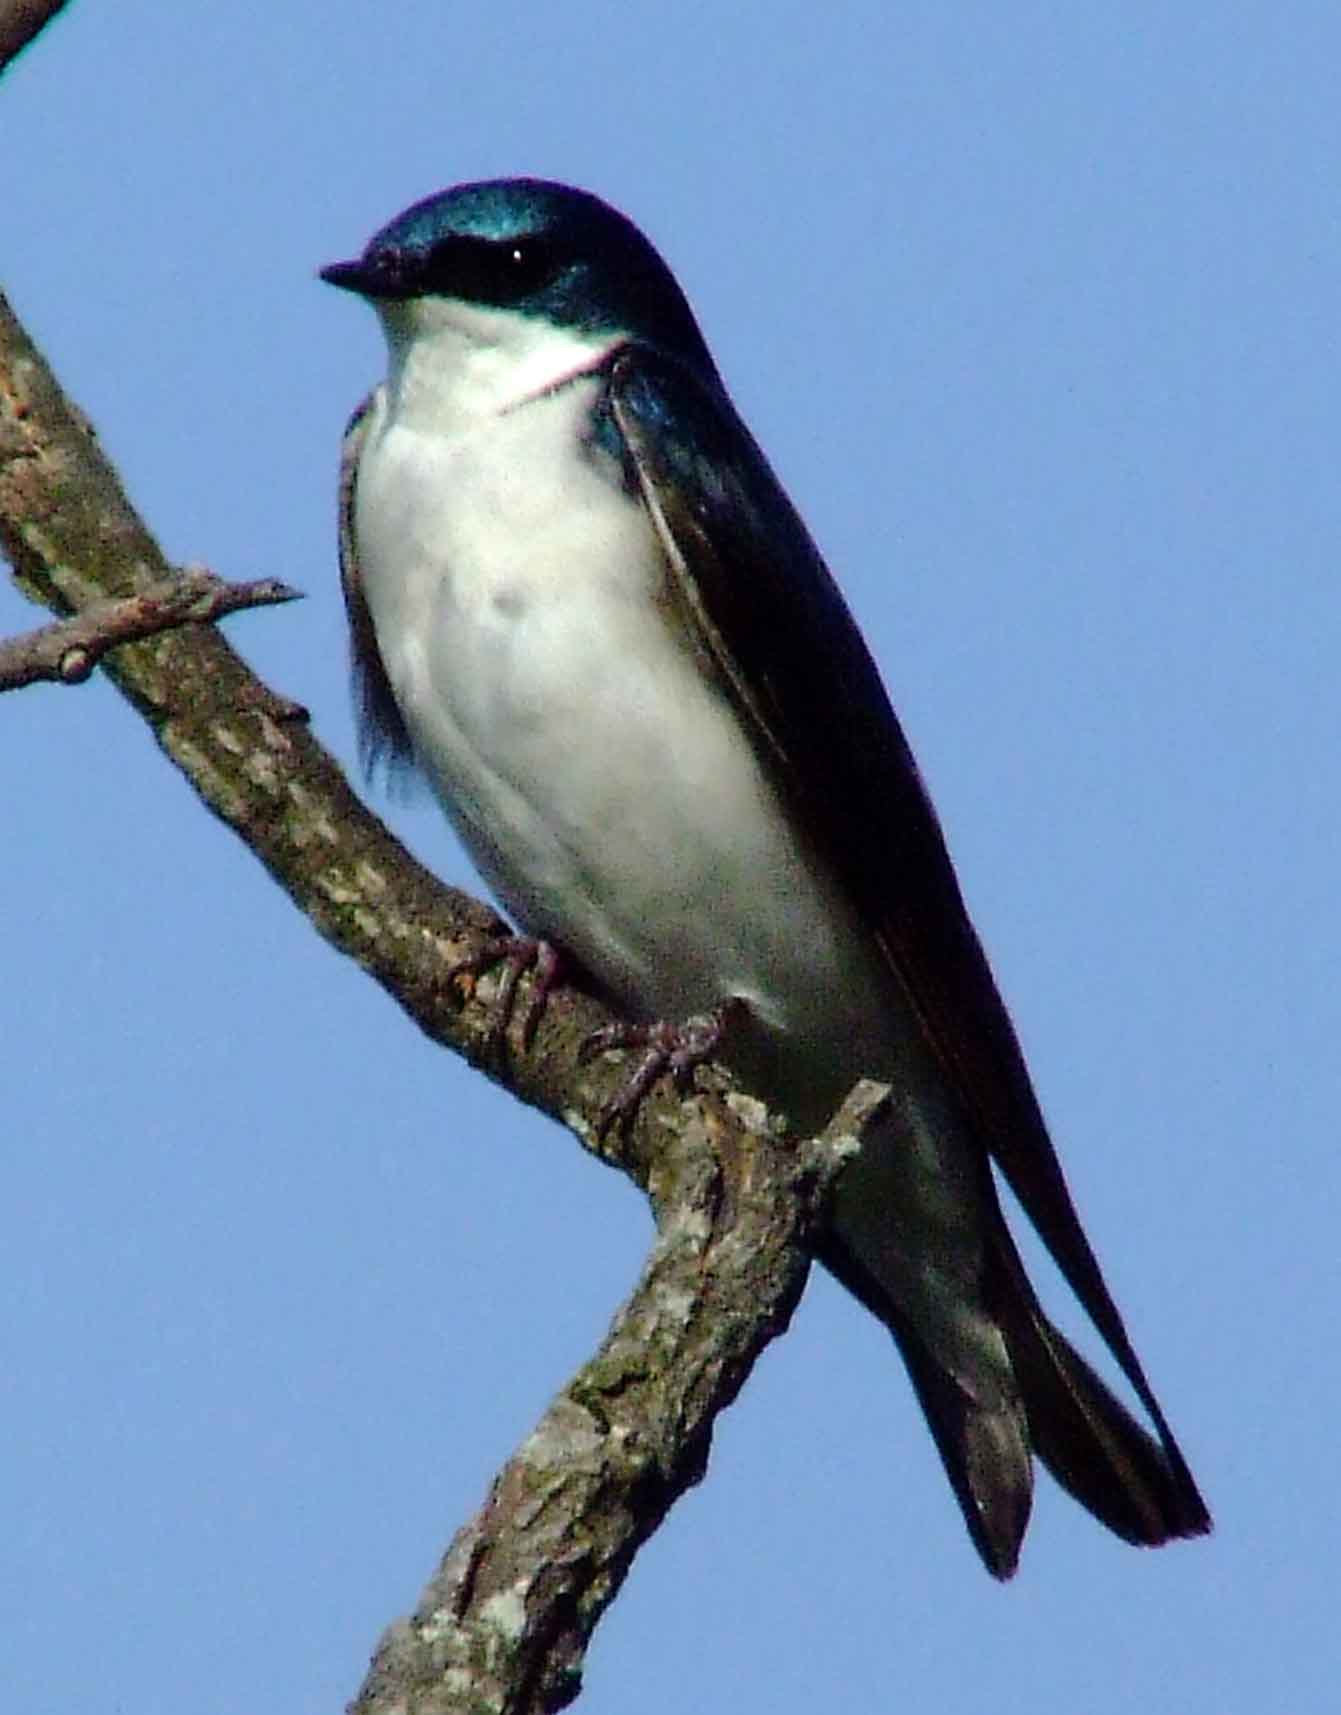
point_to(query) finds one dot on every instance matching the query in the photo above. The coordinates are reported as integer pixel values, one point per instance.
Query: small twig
(66, 652)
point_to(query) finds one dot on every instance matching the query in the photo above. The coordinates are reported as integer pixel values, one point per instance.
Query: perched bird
(583, 606)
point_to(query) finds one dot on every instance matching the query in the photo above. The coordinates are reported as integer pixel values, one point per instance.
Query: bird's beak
(371, 277)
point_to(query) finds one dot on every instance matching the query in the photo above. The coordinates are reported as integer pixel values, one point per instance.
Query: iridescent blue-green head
(545, 250)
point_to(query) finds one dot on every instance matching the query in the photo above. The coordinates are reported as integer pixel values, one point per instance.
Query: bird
(583, 607)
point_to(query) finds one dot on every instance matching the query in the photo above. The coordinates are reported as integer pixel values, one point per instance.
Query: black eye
(490, 271)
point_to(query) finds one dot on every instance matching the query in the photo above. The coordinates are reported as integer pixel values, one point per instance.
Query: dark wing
(383, 739)
(773, 620)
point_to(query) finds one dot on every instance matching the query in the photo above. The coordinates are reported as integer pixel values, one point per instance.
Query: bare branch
(73, 540)
(67, 652)
(20, 21)
(505, 1622)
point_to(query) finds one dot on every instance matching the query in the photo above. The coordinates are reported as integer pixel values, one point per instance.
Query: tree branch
(511, 1608)
(505, 1622)
(67, 652)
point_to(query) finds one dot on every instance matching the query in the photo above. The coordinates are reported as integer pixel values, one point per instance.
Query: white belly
(602, 785)
(608, 793)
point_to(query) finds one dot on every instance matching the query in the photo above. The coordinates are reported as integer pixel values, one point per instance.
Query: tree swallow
(583, 606)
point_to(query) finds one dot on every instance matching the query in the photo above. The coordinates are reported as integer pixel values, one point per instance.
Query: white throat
(453, 361)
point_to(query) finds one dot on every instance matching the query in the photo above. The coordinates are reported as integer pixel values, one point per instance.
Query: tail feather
(918, 1235)
(988, 1421)
(972, 1404)
(986, 1454)
(1141, 1489)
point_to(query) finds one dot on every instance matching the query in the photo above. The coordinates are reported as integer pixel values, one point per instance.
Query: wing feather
(772, 619)
(383, 736)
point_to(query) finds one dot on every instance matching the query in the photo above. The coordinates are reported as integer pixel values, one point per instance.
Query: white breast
(603, 786)
(606, 789)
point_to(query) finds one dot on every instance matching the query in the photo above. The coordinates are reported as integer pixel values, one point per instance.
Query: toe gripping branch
(674, 1049)
(517, 954)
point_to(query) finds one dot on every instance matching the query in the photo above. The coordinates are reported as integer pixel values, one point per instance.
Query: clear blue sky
(1035, 309)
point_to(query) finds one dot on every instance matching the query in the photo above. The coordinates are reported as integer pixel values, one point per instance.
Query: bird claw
(517, 954)
(677, 1049)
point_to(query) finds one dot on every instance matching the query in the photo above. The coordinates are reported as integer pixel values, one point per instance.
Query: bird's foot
(674, 1049)
(517, 954)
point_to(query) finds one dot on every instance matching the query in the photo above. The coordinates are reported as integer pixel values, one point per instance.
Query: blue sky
(1034, 309)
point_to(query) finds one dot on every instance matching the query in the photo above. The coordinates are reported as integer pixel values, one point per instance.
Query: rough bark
(504, 1623)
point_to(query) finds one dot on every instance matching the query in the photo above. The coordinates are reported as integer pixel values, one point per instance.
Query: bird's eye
(491, 271)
